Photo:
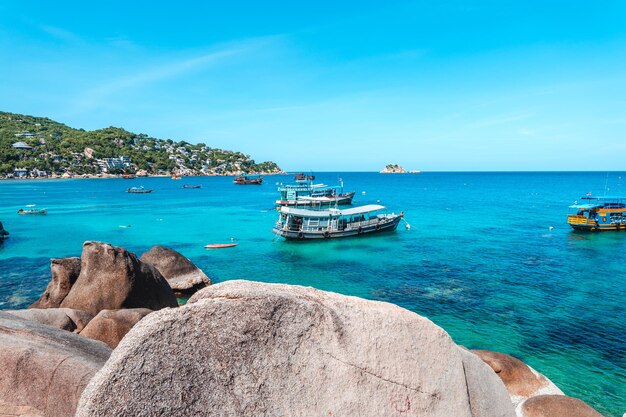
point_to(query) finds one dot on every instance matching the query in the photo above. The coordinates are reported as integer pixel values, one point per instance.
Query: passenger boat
(249, 180)
(297, 223)
(3, 233)
(309, 194)
(192, 186)
(32, 210)
(138, 190)
(598, 214)
(301, 177)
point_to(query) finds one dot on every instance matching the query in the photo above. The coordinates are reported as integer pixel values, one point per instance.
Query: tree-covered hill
(57, 148)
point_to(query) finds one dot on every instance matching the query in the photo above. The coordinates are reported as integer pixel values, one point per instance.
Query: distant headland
(397, 169)
(38, 147)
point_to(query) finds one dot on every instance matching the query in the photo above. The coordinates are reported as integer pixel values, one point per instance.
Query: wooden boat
(138, 190)
(220, 245)
(301, 224)
(192, 186)
(176, 177)
(30, 209)
(249, 180)
(3, 233)
(309, 194)
(128, 176)
(598, 214)
(301, 177)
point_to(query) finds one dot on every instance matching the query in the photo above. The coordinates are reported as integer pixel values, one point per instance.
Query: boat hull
(599, 227)
(382, 227)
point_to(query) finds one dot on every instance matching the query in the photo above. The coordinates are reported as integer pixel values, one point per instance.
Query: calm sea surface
(480, 259)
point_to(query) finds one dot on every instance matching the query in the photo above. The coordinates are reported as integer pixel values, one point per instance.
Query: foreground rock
(44, 370)
(184, 277)
(521, 380)
(113, 278)
(278, 350)
(555, 406)
(61, 318)
(65, 271)
(110, 326)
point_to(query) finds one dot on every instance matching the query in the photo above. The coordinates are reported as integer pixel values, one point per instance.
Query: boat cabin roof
(331, 212)
(586, 206)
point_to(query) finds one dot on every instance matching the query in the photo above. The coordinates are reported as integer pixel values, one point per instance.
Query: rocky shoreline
(110, 176)
(108, 338)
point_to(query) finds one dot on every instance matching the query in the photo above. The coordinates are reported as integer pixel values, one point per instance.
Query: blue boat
(300, 224)
(599, 214)
(305, 193)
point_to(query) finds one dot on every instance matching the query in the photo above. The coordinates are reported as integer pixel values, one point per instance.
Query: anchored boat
(249, 180)
(138, 190)
(309, 194)
(297, 223)
(598, 214)
(30, 209)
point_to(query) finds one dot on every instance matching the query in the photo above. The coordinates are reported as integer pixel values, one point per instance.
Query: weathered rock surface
(110, 326)
(112, 278)
(44, 368)
(62, 318)
(9, 410)
(521, 380)
(183, 276)
(487, 395)
(555, 406)
(65, 271)
(251, 349)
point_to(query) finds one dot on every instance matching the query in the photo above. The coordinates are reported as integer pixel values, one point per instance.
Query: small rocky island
(108, 338)
(396, 169)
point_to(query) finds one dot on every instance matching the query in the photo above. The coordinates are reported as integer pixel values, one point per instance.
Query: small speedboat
(192, 186)
(30, 209)
(220, 245)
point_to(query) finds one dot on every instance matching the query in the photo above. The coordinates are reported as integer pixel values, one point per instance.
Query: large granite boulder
(110, 326)
(112, 278)
(65, 271)
(43, 368)
(62, 318)
(184, 277)
(251, 349)
(555, 406)
(521, 380)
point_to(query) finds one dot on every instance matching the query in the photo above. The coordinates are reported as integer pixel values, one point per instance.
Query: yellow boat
(599, 213)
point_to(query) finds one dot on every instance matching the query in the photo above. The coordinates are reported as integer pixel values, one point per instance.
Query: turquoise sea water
(480, 259)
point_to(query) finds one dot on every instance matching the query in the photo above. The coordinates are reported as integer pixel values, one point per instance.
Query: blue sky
(495, 85)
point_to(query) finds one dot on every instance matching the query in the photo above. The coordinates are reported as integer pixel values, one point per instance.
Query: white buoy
(551, 228)
(363, 192)
(408, 226)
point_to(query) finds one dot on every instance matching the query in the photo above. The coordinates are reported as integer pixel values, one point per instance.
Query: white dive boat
(297, 223)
